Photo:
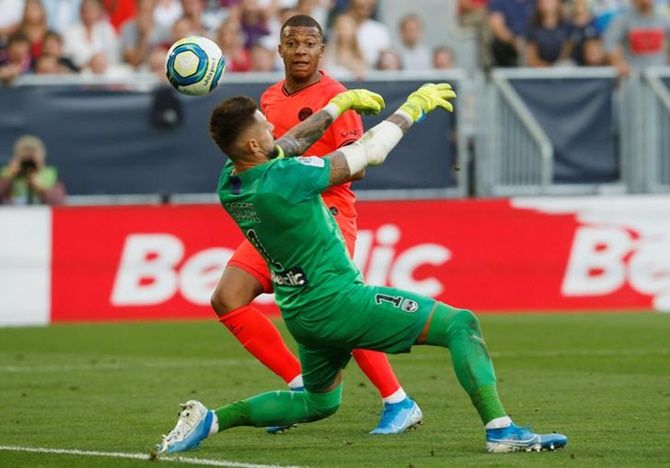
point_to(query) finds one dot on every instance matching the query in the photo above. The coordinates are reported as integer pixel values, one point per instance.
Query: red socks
(376, 366)
(262, 339)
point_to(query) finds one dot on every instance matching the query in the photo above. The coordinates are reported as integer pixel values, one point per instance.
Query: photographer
(27, 180)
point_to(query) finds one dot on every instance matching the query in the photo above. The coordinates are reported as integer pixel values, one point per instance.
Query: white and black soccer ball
(194, 65)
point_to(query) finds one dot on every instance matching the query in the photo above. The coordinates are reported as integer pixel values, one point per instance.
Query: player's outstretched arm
(302, 136)
(376, 143)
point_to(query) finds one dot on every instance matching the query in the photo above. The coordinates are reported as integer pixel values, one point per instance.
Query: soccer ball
(194, 65)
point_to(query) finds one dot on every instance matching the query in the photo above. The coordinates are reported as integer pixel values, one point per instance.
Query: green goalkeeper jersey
(278, 206)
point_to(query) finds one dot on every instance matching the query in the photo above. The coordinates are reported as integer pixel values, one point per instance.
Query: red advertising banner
(113, 263)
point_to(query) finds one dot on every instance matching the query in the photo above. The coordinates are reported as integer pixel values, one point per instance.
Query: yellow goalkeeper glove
(361, 100)
(427, 98)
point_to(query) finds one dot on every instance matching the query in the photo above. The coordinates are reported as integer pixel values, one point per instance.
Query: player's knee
(322, 405)
(228, 297)
(321, 410)
(466, 320)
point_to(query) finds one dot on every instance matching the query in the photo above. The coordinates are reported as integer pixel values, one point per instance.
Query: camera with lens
(28, 165)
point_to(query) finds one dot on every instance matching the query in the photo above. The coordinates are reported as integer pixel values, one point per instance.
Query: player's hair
(304, 21)
(229, 119)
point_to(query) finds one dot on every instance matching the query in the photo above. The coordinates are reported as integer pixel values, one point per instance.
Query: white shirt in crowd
(11, 12)
(416, 58)
(373, 37)
(80, 48)
(62, 13)
(166, 13)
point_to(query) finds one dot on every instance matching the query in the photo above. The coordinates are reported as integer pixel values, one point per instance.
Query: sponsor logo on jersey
(310, 161)
(291, 277)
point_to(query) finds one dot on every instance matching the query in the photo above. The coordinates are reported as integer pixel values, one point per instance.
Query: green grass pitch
(602, 379)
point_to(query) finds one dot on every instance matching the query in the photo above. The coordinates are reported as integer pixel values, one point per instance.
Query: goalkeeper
(326, 306)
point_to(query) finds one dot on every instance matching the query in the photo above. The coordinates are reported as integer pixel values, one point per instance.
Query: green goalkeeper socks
(279, 408)
(459, 331)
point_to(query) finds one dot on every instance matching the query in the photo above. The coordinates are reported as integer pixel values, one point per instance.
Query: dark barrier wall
(103, 141)
(577, 116)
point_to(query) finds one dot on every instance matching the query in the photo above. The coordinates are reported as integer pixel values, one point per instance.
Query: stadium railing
(534, 151)
(654, 138)
(514, 154)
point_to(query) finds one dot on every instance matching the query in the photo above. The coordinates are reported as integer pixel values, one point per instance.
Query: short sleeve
(614, 34)
(346, 129)
(298, 179)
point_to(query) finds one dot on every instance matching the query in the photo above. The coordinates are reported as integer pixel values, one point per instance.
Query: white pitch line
(140, 456)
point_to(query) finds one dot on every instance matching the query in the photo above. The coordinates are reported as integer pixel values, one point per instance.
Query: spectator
(548, 35)
(91, 36)
(262, 59)
(508, 20)
(605, 11)
(317, 9)
(583, 29)
(637, 38)
(16, 58)
(34, 26)
(180, 28)
(11, 12)
(140, 35)
(62, 14)
(473, 14)
(230, 40)
(389, 60)
(193, 10)
(27, 179)
(594, 53)
(156, 63)
(443, 58)
(373, 36)
(52, 46)
(167, 12)
(344, 54)
(253, 21)
(119, 11)
(413, 53)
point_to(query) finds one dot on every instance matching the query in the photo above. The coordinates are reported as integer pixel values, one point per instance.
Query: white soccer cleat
(192, 428)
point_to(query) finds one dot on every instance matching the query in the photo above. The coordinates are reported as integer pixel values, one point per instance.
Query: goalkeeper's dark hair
(304, 21)
(229, 119)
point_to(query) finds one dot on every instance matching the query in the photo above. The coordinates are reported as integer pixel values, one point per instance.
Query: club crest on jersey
(310, 161)
(304, 113)
(408, 305)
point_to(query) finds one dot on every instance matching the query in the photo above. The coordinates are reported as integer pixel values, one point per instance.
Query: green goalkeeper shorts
(360, 317)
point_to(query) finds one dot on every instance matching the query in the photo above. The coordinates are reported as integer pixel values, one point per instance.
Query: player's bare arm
(376, 143)
(306, 133)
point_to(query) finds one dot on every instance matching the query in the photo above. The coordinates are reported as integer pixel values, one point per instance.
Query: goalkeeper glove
(361, 100)
(427, 98)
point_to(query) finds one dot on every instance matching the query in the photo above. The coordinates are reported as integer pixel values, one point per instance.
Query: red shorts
(248, 259)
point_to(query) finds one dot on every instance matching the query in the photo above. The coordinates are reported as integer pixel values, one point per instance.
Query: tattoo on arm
(339, 169)
(302, 136)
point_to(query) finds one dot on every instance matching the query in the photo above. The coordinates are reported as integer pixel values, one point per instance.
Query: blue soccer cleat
(399, 417)
(518, 439)
(282, 429)
(192, 428)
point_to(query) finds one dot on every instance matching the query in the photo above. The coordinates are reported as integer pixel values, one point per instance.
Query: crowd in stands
(115, 37)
